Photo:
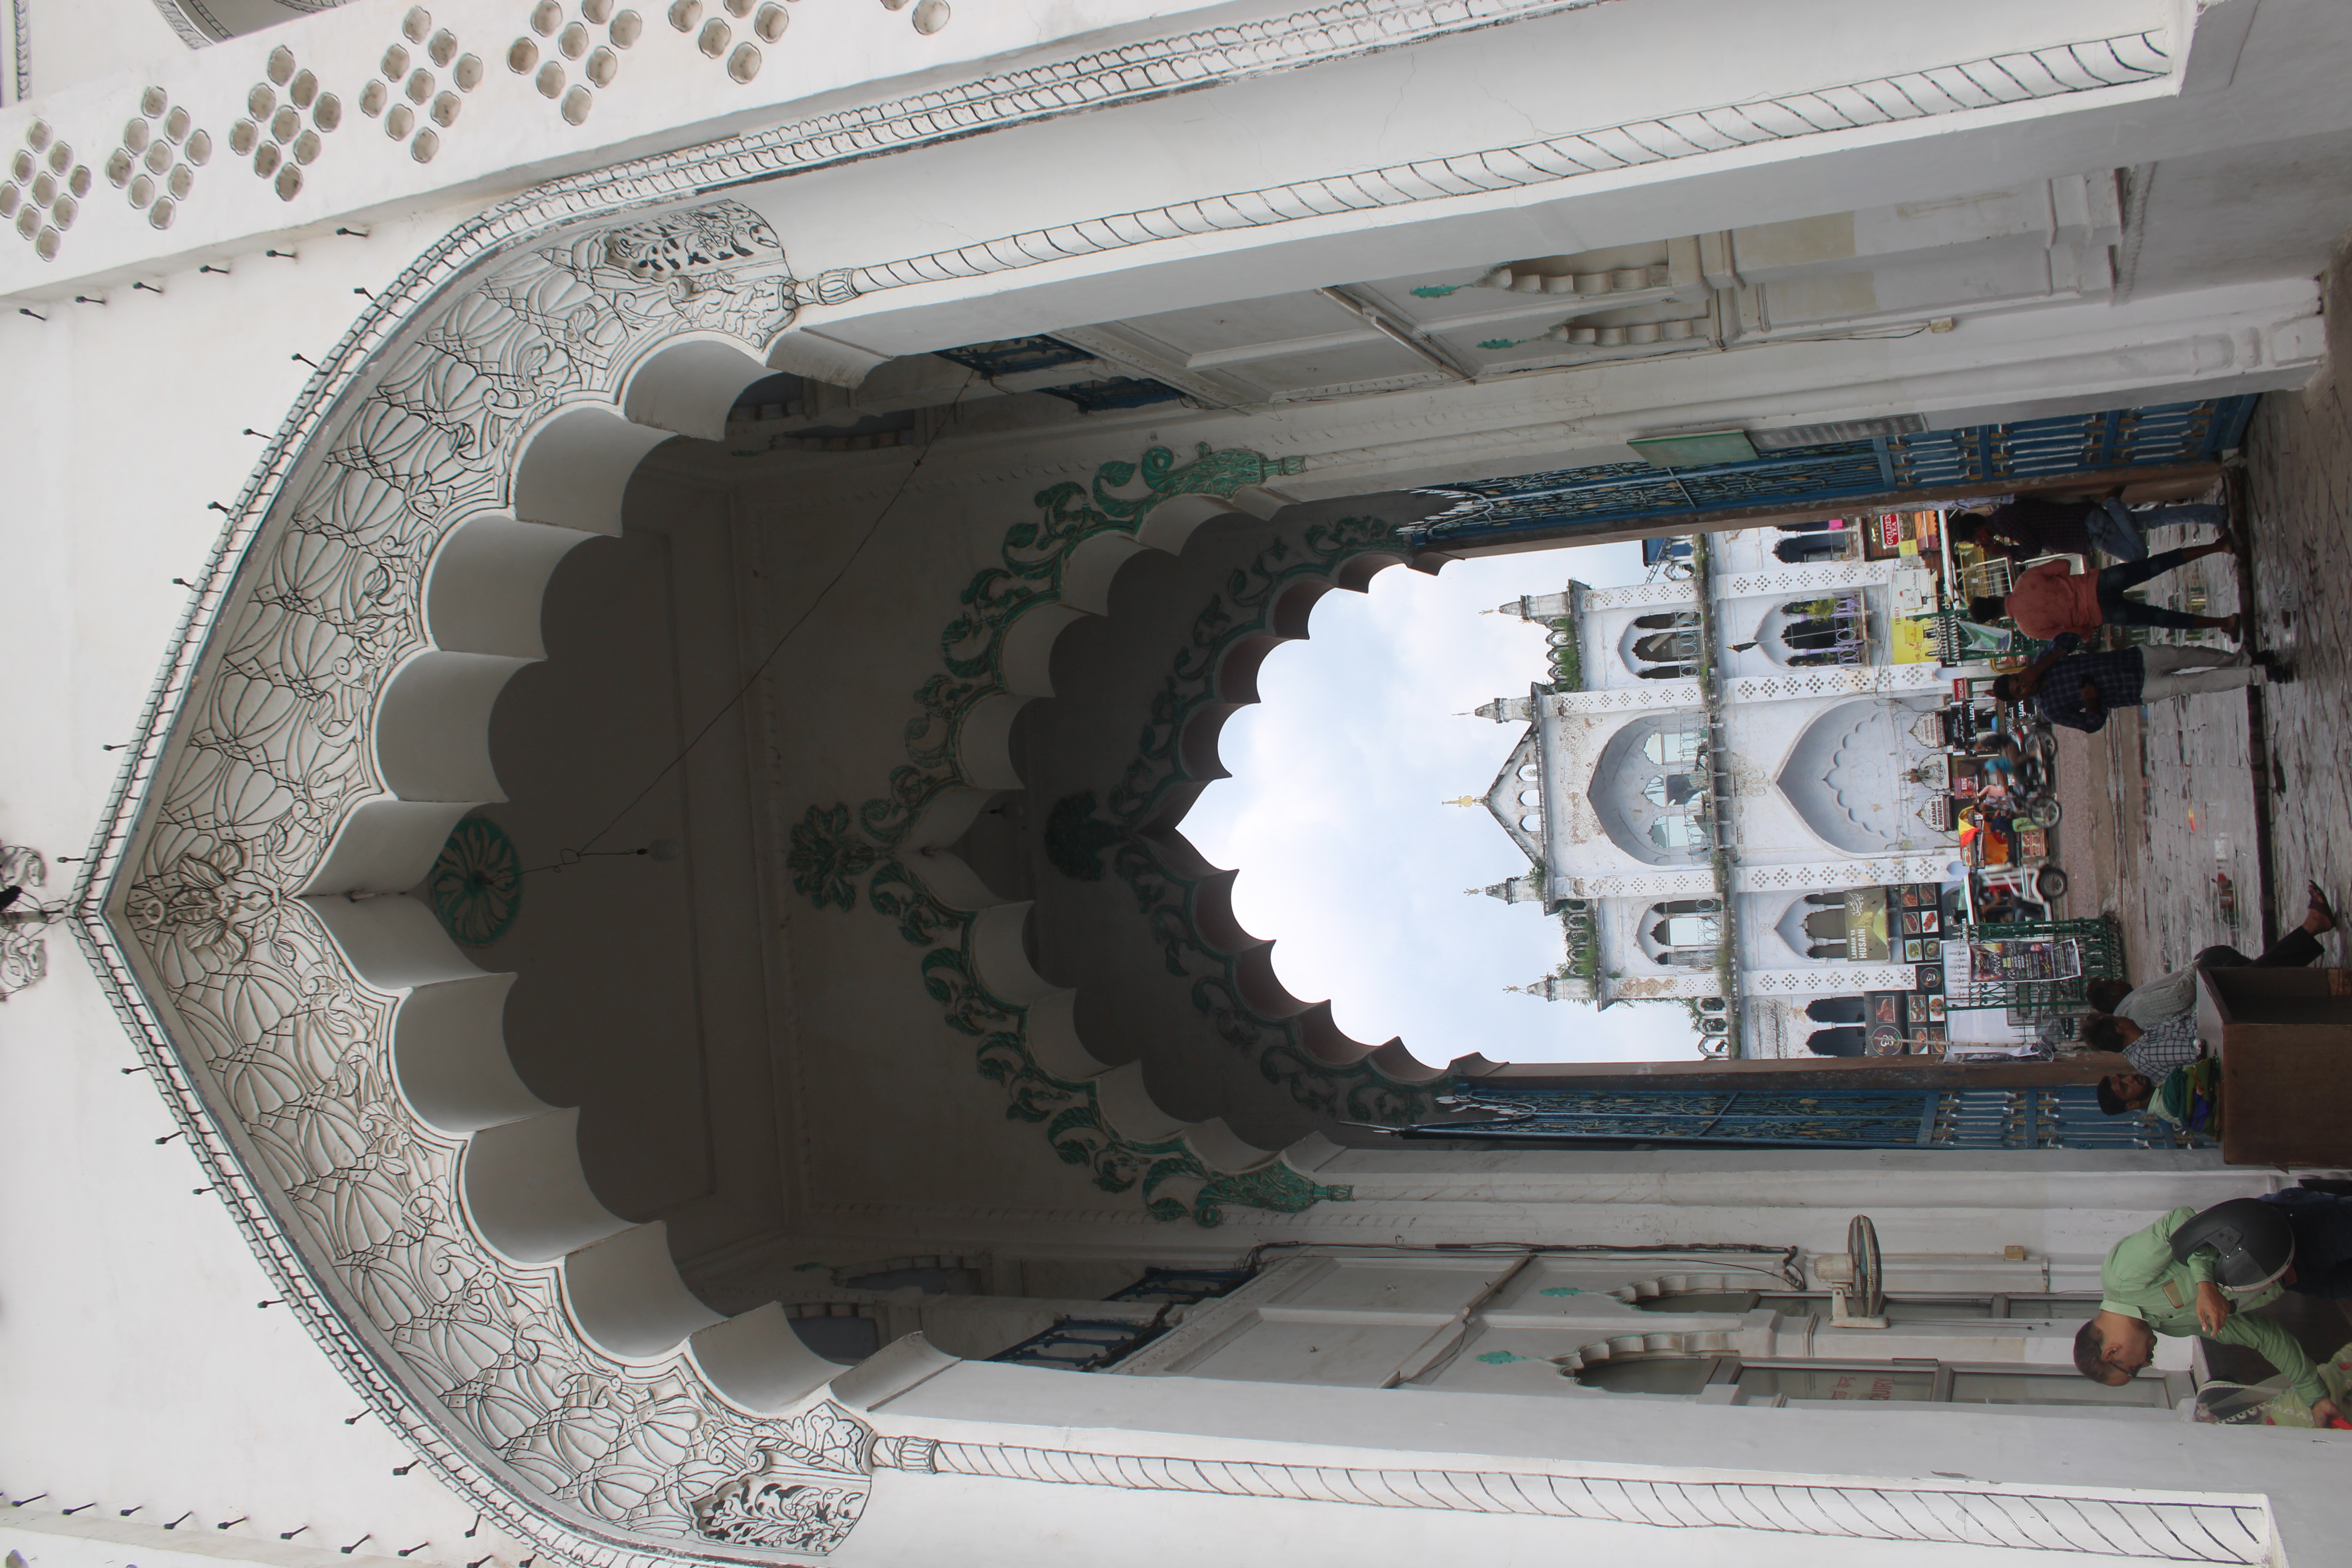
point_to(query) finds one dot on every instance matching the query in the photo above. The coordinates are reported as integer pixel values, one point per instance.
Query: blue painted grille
(1993, 456)
(2062, 1117)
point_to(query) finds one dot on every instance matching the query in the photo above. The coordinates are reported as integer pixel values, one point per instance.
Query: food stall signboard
(1865, 925)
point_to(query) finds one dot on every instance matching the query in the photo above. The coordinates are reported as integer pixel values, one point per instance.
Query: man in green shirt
(2143, 1293)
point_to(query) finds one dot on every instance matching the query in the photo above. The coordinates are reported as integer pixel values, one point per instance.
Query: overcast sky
(1350, 859)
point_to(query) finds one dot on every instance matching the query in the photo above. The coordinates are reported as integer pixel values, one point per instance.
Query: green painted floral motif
(1504, 342)
(1438, 290)
(1274, 1186)
(1560, 1290)
(477, 884)
(1034, 555)
(1075, 838)
(1501, 1358)
(829, 854)
(826, 858)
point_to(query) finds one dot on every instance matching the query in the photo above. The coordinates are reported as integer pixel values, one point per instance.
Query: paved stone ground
(2161, 804)
(2160, 801)
(2298, 484)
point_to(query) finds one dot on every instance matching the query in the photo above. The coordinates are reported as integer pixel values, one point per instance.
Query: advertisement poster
(1865, 925)
(1889, 1022)
(1893, 533)
(1914, 641)
(2012, 960)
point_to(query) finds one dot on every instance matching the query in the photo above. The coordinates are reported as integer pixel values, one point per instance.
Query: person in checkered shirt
(2080, 689)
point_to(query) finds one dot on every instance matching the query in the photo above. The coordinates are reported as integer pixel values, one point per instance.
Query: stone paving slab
(2299, 494)
(2179, 778)
(2186, 811)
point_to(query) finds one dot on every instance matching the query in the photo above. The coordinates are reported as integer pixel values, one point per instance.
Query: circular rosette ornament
(477, 884)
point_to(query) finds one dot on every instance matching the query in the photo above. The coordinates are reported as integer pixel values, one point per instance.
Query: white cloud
(1348, 859)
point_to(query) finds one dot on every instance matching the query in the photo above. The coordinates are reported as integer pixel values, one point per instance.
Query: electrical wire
(571, 856)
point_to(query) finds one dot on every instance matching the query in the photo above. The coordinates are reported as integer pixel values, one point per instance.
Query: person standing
(2144, 1291)
(2049, 600)
(2080, 689)
(2031, 525)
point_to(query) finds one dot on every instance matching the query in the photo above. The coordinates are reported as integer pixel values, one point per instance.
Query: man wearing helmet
(2145, 1290)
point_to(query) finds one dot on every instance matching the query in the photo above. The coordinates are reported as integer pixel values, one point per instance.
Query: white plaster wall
(508, 133)
(75, 41)
(139, 1371)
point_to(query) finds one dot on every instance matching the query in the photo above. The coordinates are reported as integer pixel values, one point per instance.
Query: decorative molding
(24, 921)
(1169, 901)
(199, 27)
(1608, 885)
(1651, 987)
(1133, 73)
(1828, 977)
(1648, 696)
(1155, 69)
(806, 1492)
(1643, 596)
(154, 164)
(20, 58)
(2119, 61)
(1809, 579)
(43, 190)
(1876, 871)
(2145, 1528)
(1838, 680)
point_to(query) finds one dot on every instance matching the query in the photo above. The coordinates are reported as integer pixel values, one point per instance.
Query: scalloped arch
(998, 658)
(339, 1064)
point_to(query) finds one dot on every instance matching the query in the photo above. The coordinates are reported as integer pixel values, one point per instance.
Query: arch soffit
(394, 557)
(1614, 796)
(1802, 775)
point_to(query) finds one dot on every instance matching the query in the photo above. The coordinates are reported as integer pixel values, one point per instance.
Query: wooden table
(2285, 1037)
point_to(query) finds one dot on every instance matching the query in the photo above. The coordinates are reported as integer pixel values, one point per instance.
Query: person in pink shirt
(2048, 600)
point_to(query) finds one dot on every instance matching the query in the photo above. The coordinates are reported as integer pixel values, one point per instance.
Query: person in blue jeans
(2048, 601)
(2030, 526)
(2118, 529)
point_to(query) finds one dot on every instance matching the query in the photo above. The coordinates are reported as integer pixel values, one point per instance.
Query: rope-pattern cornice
(2112, 1525)
(1982, 83)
